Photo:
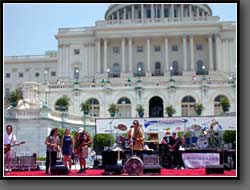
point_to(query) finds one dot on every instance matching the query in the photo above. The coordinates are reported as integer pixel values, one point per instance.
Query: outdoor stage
(99, 172)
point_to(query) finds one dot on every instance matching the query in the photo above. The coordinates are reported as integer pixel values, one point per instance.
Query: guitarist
(9, 139)
(83, 140)
(174, 153)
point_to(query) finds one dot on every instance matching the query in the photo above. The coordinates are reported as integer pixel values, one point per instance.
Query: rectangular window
(7, 75)
(157, 48)
(175, 48)
(7, 92)
(139, 49)
(20, 75)
(53, 73)
(116, 49)
(199, 47)
(76, 51)
(37, 74)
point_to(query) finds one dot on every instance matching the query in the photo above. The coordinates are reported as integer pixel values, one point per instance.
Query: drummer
(136, 135)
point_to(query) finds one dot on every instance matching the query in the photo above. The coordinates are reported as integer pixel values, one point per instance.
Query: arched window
(217, 105)
(157, 69)
(116, 70)
(95, 107)
(124, 106)
(187, 106)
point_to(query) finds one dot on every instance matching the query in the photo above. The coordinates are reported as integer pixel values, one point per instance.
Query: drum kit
(133, 164)
(202, 139)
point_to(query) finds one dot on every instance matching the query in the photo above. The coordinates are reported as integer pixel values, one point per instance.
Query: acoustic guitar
(8, 147)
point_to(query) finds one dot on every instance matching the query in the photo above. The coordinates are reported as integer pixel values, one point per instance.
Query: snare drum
(134, 166)
(202, 142)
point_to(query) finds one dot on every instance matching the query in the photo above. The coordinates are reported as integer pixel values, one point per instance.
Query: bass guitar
(172, 148)
(8, 146)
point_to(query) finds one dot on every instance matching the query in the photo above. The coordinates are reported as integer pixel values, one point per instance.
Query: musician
(83, 140)
(136, 134)
(67, 144)
(174, 155)
(52, 147)
(9, 139)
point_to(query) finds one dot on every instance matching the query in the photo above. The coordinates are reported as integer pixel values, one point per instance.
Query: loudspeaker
(155, 169)
(166, 162)
(114, 169)
(59, 170)
(215, 169)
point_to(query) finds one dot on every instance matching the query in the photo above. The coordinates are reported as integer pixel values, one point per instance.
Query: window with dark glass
(37, 74)
(157, 48)
(53, 73)
(7, 75)
(116, 70)
(175, 48)
(20, 75)
(76, 51)
(116, 49)
(199, 47)
(139, 49)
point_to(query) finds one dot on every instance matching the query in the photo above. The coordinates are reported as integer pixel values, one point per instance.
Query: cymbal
(122, 127)
(196, 127)
(116, 127)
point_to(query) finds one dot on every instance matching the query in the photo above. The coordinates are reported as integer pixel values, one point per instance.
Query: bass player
(9, 140)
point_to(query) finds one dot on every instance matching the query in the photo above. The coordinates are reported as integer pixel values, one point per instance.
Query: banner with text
(200, 160)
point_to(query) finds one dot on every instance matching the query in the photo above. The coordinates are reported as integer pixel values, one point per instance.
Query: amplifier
(215, 169)
(59, 170)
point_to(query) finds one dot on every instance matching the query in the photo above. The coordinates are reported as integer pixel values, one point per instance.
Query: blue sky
(29, 29)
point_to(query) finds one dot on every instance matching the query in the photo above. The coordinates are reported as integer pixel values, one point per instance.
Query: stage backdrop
(161, 125)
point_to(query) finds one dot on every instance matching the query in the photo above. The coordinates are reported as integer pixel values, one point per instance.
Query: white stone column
(191, 52)
(218, 51)
(182, 11)
(166, 54)
(98, 56)
(133, 12)
(203, 13)
(130, 55)
(123, 55)
(172, 10)
(142, 11)
(210, 52)
(197, 11)
(184, 42)
(190, 11)
(162, 10)
(105, 61)
(113, 17)
(152, 11)
(148, 56)
(117, 15)
(124, 14)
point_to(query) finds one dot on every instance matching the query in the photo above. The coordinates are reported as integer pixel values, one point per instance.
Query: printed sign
(200, 160)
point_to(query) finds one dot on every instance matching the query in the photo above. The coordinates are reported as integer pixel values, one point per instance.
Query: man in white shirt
(9, 139)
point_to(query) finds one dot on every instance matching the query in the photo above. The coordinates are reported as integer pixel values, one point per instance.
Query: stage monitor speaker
(59, 170)
(113, 169)
(110, 157)
(152, 169)
(215, 169)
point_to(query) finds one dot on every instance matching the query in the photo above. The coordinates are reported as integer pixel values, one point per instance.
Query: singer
(136, 136)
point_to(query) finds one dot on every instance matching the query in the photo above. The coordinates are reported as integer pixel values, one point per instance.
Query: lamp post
(139, 73)
(171, 72)
(203, 72)
(108, 71)
(45, 76)
(77, 74)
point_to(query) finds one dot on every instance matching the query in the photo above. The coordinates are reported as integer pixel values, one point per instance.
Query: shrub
(102, 140)
(229, 136)
(15, 96)
(170, 110)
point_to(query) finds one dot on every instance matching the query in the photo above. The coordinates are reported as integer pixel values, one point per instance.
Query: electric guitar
(8, 146)
(173, 147)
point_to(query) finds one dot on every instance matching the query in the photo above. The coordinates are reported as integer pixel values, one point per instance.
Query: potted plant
(170, 110)
(229, 137)
(62, 103)
(224, 103)
(198, 107)
(15, 96)
(140, 110)
(85, 107)
(113, 109)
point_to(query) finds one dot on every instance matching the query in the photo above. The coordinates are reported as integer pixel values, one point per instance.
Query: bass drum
(134, 166)
(202, 142)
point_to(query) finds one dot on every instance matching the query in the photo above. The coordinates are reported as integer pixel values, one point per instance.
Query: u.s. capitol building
(149, 54)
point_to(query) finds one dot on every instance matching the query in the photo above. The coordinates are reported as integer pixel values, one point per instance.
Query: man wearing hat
(83, 140)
